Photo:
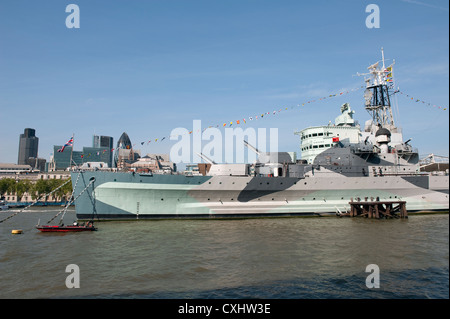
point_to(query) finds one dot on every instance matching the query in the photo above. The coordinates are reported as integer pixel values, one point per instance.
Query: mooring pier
(376, 208)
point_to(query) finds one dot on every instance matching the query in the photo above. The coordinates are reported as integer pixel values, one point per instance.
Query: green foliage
(35, 189)
(22, 187)
(7, 185)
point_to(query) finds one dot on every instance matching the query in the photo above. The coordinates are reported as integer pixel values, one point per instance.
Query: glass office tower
(28, 146)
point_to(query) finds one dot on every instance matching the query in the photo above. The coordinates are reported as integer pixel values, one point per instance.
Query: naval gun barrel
(254, 149)
(206, 158)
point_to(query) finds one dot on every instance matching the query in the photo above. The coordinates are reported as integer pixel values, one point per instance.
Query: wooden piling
(378, 208)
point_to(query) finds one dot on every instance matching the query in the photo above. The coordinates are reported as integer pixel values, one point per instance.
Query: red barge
(66, 228)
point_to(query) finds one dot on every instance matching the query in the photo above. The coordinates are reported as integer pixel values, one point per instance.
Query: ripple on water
(259, 258)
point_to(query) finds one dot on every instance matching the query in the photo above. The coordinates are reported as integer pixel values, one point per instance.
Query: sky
(148, 67)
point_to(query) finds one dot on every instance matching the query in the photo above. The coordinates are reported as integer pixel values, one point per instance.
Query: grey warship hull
(129, 196)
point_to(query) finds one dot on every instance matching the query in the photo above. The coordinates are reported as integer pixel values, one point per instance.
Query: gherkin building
(124, 142)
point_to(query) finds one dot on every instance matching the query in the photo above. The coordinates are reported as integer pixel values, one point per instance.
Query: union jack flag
(69, 143)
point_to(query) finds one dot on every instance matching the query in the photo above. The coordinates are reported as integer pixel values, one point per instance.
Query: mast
(71, 151)
(378, 102)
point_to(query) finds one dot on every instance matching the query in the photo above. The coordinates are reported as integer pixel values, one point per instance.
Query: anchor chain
(37, 200)
(65, 209)
(69, 202)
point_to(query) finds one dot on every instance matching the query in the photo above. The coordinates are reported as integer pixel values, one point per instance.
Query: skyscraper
(104, 142)
(28, 146)
(124, 151)
(61, 160)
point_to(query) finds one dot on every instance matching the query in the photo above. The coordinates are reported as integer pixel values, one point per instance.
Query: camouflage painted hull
(128, 196)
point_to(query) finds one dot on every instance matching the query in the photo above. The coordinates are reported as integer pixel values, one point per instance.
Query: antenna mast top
(378, 83)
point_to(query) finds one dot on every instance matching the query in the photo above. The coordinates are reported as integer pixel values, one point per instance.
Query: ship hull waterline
(126, 196)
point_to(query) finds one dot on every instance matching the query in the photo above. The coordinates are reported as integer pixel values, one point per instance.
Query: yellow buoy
(16, 231)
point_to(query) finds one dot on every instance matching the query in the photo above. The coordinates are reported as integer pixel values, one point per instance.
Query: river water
(274, 258)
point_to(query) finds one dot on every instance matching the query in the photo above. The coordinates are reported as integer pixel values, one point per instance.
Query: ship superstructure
(343, 132)
(340, 161)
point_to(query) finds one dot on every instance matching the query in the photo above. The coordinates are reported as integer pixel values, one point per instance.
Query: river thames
(273, 258)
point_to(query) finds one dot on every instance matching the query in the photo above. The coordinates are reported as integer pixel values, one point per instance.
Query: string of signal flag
(424, 102)
(261, 116)
(265, 114)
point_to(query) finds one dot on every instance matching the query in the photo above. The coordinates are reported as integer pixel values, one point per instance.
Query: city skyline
(147, 68)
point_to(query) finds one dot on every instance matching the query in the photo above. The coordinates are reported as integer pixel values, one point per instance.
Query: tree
(67, 190)
(7, 185)
(41, 187)
(36, 189)
(64, 191)
(22, 187)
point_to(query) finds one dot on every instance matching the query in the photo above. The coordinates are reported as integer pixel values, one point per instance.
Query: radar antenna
(377, 101)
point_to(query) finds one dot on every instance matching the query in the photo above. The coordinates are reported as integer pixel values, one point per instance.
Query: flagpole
(71, 151)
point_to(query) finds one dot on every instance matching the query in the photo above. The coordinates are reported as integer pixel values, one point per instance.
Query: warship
(339, 162)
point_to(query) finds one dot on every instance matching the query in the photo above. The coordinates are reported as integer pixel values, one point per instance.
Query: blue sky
(147, 67)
